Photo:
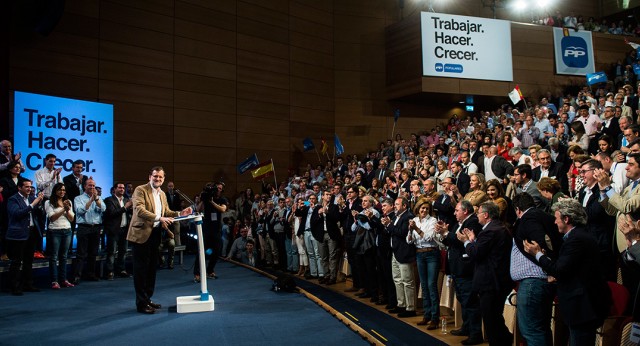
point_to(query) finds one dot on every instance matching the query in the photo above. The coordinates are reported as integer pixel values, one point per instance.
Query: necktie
(633, 186)
(587, 194)
(381, 174)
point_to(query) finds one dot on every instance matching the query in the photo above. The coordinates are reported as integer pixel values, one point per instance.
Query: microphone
(186, 198)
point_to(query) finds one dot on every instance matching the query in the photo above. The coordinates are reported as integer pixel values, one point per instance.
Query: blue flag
(248, 163)
(339, 147)
(636, 69)
(307, 143)
(396, 115)
(595, 78)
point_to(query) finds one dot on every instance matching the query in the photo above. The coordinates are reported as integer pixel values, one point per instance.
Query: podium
(204, 301)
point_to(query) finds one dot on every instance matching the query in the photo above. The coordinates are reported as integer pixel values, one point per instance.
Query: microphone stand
(186, 198)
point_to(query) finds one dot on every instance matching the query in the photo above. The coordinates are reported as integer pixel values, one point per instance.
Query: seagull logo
(596, 77)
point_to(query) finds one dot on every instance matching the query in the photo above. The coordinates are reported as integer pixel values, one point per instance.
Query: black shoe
(16, 292)
(330, 282)
(472, 341)
(30, 289)
(397, 310)
(154, 305)
(407, 314)
(382, 302)
(124, 274)
(321, 280)
(110, 276)
(76, 280)
(147, 309)
(459, 332)
(390, 306)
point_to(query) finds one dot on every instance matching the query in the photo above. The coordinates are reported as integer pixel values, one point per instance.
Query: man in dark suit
(524, 183)
(461, 269)
(551, 169)
(584, 297)
(535, 294)
(601, 225)
(7, 156)
(116, 223)
(305, 211)
(325, 230)
(462, 179)
(353, 207)
(610, 126)
(382, 172)
(22, 233)
(558, 152)
(74, 182)
(404, 255)
(474, 152)
(144, 233)
(500, 167)
(175, 204)
(490, 251)
(384, 255)
(443, 205)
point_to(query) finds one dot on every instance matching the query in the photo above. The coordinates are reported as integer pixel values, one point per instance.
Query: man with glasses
(610, 125)
(551, 169)
(524, 183)
(353, 207)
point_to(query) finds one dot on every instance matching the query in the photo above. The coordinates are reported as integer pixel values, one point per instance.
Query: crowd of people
(628, 27)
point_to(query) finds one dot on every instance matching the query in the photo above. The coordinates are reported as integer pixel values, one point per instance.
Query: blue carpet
(103, 313)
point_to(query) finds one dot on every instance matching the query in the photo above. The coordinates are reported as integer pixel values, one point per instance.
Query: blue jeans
(292, 255)
(59, 240)
(533, 310)
(429, 270)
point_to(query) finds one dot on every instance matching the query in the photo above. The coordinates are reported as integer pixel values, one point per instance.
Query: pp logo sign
(574, 52)
(439, 67)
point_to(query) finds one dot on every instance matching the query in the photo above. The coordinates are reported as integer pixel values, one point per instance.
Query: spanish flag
(516, 95)
(263, 170)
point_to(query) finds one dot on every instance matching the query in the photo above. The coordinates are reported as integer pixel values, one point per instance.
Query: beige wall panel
(89, 8)
(204, 172)
(263, 126)
(205, 16)
(65, 43)
(196, 153)
(312, 87)
(314, 131)
(263, 109)
(204, 67)
(311, 42)
(54, 62)
(374, 8)
(164, 7)
(313, 72)
(137, 172)
(228, 6)
(262, 61)
(127, 15)
(264, 31)
(205, 119)
(205, 85)
(140, 113)
(143, 151)
(354, 29)
(352, 56)
(263, 46)
(136, 93)
(44, 82)
(247, 91)
(116, 32)
(532, 50)
(203, 137)
(318, 30)
(263, 77)
(262, 142)
(149, 133)
(526, 63)
(128, 73)
(310, 11)
(201, 32)
(204, 102)
(113, 51)
(476, 87)
(311, 116)
(311, 57)
(302, 99)
(354, 84)
(205, 50)
(267, 12)
(442, 85)
(78, 25)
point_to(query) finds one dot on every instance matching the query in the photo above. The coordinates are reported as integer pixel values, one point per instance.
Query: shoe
(374, 299)
(154, 305)
(30, 289)
(363, 295)
(424, 322)
(93, 278)
(66, 283)
(472, 341)
(330, 282)
(110, 276)
(55, 285)
(212, 276)
(124, 274)
(4, 257)
(433, 325)
(147, 309)
(352, 289)
(390, 306)
(196, 278)
(76, 280)
(382, 302)
(38, 255)
(16, 292)
(321, 280)
(459, 332)
(407, 314)
(170, 266)
(397, 310)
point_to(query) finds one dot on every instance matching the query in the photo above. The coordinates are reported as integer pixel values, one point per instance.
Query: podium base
(189, 304)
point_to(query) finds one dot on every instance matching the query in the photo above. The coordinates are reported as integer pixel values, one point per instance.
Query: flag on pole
(339, 147)
(263, 170)
(595, 78)
(325, 146)
(515, 95)
(396, 115)
(248, 163)
(307, 144)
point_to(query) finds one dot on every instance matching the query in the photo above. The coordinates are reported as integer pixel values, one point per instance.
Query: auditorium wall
(198, 85)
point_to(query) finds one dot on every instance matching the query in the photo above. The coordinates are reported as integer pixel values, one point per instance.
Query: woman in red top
(506, 143)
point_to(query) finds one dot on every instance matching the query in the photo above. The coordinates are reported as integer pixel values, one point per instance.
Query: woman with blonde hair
(533, 152)
(476, 194)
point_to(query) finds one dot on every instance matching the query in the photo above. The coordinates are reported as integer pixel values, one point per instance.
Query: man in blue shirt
(88, 208)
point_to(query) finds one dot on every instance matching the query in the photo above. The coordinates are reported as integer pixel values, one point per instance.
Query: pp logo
(574, 51)
(439, 67)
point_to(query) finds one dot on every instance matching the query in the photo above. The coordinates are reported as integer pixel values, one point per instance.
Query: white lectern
(204, 301)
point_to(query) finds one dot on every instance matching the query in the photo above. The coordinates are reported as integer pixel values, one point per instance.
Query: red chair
(611, 330)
